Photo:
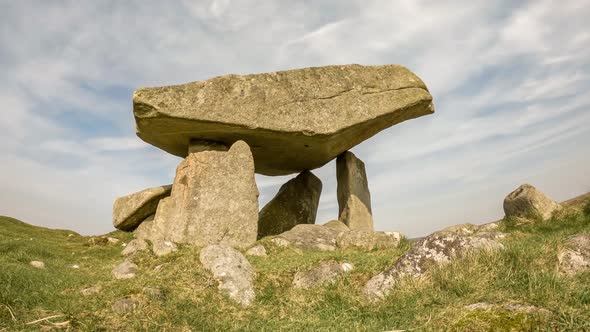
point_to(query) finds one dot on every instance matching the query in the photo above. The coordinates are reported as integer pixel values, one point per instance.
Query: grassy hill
(524, 272)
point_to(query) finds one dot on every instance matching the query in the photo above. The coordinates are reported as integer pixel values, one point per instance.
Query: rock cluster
(228, 128)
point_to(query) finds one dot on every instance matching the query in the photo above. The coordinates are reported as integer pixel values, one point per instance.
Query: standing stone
(296, 203)
(232, 270)
(354, 199)
(526, 201)
(214, 200)
(129, 211)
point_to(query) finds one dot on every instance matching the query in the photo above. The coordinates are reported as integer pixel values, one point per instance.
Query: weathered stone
(144, 230)
(162, 248)
(125, 270)
(125, 306)
(368, 240)
(575, 257)
(354, 199)
(214, 200)
(257, 250)
(280, 242)
(435, 249)
(337, 224)
(129, 211)
(91, 290)
(321, 274)
(296, 203)
(232, 270)
(315, 237)
(526, 201)
(134, 246)
(294, 120)
(37, 264)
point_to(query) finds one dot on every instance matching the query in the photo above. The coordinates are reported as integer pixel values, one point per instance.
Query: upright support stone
(214, 200)
(354, 199)
(296, 203)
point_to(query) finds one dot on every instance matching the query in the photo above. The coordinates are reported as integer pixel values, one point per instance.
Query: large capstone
(354, 199)
(129, 211)
(296, 203)
(214, 200)
(293, 120)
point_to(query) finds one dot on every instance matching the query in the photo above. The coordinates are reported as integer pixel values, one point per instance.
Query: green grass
(524, 272)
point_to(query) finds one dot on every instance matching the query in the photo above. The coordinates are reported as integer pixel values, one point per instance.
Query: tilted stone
(214, 200)
(526, 201)
(129, 211)
(354, 199)
(296, 203)
(293, 120)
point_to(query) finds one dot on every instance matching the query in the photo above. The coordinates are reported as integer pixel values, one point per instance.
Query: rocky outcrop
(129, 211)
(214, 200)
(296, 203)
(232, 271)
(294, 120)
(526, 202)
(575, 257)
(362, 240)
(313, 237)
(321, 274)
(354, 199)
(436, 249)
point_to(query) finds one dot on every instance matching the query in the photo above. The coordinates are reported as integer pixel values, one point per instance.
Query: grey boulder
(129, 211)
(526, 201)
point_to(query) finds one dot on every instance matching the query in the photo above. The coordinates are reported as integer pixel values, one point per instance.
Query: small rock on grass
(163, 248)
(91, 290)
(134, 246)
(37, 264)
(575, 257)
(125, 270)
(321, 274)
(125, 306)
(257, 250)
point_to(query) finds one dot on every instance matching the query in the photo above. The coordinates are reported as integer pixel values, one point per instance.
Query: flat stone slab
(293, 120)
(129, 211)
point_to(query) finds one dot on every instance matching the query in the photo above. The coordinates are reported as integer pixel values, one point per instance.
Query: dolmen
(230, 127)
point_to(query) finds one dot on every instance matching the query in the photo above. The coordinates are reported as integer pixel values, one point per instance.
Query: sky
(510, 82)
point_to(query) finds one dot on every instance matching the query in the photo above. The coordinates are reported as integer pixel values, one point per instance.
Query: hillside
(517, 287)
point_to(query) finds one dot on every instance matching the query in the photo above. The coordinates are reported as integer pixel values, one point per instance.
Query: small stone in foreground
(576, 256)
(320, 274)
(257, 250)
(125, 270)
(134, 246)
(125, 306)
(163, 248)
(37, 264)
(232, 270)
(91, 290)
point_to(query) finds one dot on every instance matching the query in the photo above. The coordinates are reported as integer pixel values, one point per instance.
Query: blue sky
(510, 86)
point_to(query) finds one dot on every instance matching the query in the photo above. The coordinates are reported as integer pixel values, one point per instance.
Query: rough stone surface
(436, 249)
(257, 250)
(337, 224)
(575, 257)
(162, 248)
(37, 264)
(294, 120)
(144, 230)
(125, 306)
(134, 246)
(214, 200)
(296, 203)
(129, 211)
(125, 270)
(321, 274)
(363, 240)
(354, 199)
(232, 270)
(315, 237)
(527, 201)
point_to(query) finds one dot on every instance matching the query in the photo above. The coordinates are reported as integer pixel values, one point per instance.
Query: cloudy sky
(510, 86)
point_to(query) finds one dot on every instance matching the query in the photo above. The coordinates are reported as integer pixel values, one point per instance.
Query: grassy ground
(525, 272)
